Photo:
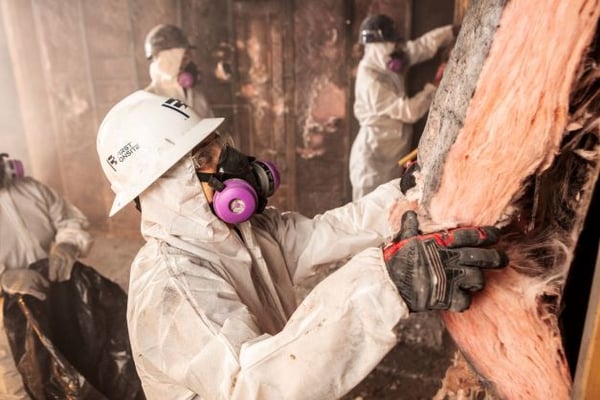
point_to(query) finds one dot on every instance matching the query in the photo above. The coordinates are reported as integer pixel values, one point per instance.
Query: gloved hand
(24, 281)
(438, 271)
(407, 180)
(60, 261)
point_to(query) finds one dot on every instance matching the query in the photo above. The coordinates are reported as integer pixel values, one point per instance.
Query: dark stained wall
(288, 96)
(261, 36)
(322, 66)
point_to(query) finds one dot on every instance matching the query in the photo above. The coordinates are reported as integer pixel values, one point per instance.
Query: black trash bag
(74, 344)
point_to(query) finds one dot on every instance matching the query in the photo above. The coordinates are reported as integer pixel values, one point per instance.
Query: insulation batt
(499, 117)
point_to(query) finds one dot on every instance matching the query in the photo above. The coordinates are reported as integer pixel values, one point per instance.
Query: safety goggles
(203, 153)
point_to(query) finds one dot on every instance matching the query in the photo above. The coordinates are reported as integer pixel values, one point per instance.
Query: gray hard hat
(378, 28)
(164, 37)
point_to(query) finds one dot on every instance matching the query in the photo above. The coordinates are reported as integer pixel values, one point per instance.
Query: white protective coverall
(164, 71)
(385, 113)
(212, 312)
(32, 217)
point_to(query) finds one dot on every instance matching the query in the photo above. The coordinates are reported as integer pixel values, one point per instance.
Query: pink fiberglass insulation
(518, 113)
(513, 127)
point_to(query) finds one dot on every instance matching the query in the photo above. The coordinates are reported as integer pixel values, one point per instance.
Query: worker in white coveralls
(35, 223)
(212, 312)
(172, 71)
(381, 106)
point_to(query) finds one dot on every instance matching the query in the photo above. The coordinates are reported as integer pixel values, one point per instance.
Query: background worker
(383, 109)
(172, 71)
(35, 223)
(212, 311)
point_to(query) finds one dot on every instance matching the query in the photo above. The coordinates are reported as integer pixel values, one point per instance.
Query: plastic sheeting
(73, 345)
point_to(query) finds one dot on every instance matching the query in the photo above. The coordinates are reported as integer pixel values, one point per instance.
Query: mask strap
(212, 180)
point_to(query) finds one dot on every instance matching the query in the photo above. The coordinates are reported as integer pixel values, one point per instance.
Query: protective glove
(407, 180)
(60, 261)
(24, 281)
(438, 271)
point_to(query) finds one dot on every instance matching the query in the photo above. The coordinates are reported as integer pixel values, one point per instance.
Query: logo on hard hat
(123, 153)
(176, 105)
(112, 161)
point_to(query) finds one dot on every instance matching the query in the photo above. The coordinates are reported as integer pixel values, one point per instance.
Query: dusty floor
(411, 371)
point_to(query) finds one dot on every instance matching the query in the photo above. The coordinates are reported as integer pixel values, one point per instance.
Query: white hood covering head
(377, 54)
(175, 210)
(164, 72)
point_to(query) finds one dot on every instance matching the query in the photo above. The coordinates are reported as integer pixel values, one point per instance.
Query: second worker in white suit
(383, 109)
(172, 71)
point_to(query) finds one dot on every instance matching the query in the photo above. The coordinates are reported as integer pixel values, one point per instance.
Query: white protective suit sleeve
(70, 223)
(424, 47)
(345, 325)
(406, 109)
(335, 337)
(37, 216)
(310, 243)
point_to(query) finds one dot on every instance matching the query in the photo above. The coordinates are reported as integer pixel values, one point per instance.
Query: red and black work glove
(438, 271)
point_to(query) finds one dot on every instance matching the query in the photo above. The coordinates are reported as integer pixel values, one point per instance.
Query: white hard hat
(142, 137)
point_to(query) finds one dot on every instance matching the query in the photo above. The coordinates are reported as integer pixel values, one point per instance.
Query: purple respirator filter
(12, 167)
(236, 202)
(186, 80)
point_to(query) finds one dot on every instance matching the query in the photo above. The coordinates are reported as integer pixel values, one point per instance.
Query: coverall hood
(175, 210)
(377, 55)
(164, 71)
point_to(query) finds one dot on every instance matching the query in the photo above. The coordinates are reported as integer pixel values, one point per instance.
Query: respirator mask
(242, 185)
(398, 60)
(9, 169)
(188, 76)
